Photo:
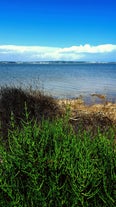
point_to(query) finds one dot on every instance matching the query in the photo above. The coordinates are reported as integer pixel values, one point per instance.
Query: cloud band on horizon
(105, 52)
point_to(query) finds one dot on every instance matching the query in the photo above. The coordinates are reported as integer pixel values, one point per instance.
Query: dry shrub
(14, 100)
(91, 122)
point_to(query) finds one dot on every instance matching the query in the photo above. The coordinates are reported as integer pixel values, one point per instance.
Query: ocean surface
(63, 80)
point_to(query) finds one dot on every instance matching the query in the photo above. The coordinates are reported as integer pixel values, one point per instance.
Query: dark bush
(14, 100)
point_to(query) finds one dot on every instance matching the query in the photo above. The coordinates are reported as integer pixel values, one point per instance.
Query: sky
(40, 30)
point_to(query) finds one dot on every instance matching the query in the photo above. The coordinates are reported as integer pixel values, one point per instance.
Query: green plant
(47, 165)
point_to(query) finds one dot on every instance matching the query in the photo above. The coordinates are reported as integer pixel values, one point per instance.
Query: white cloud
(106, 52)
(90, 49)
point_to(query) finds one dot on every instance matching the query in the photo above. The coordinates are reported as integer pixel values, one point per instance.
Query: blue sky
(58, 30)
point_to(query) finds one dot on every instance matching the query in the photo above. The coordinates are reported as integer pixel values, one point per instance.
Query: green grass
(48, 165)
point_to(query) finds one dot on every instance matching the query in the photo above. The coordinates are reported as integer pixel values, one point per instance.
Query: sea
(63, 80)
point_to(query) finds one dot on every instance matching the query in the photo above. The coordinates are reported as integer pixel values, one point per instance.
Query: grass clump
(48, 165)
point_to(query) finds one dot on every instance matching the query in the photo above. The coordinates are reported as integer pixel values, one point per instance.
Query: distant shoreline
(54, 62)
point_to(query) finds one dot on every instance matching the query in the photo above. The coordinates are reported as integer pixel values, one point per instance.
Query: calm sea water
(63, 80)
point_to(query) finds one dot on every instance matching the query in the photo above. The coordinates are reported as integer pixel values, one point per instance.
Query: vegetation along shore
(56, 152)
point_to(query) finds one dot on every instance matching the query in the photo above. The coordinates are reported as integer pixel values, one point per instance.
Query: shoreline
(78, 107)
(90, 99)
(89, 116)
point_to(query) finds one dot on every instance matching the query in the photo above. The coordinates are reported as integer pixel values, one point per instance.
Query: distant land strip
(54, 62)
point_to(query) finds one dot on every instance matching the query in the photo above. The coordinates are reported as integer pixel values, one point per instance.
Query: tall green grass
(48, 165)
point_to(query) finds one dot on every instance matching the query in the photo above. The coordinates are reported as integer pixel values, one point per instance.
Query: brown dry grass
(90, 116)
